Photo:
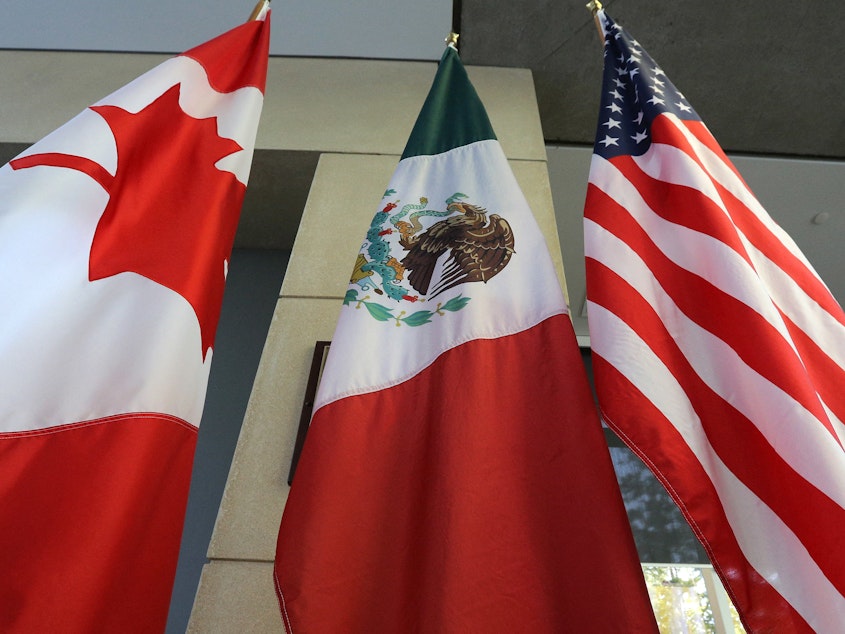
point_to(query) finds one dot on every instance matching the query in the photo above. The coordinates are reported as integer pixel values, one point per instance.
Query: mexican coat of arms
(405, 261)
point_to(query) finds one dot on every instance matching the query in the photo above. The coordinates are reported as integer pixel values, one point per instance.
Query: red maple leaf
(171, 215)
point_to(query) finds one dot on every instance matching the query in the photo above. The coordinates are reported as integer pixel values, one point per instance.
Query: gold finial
(594, 5)
(452, 40)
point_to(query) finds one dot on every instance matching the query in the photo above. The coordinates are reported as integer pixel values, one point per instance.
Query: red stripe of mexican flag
(455, 477)
(115, 231)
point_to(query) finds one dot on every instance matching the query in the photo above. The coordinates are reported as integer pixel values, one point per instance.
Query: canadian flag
(115, 231)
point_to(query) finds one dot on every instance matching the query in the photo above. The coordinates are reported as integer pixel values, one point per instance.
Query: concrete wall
(358, 115)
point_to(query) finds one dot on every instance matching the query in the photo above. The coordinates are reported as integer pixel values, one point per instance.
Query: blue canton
(635, 90)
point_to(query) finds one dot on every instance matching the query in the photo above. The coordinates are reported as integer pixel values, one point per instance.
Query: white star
(615, 94)
(682, 106)
(633, 71)
(621, 58)
(657, 89)
(639, 137)
(619, 84)
(614, 107)
(657, 82)
(609, 140)
(655, 100)
(639, 118)
(659, 71)
(612, 123)
(620, 70)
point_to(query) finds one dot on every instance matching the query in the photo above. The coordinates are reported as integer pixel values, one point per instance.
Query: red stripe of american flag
(737, 300)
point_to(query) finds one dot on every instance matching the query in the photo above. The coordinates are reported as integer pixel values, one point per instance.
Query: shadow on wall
(252, 288)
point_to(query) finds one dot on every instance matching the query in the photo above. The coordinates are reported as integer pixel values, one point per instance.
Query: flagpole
(595, 6)
(258, 8)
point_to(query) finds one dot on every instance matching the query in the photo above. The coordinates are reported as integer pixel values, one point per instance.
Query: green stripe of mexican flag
(452, 115)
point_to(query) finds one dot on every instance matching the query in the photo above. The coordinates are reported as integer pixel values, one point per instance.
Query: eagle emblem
(403, 260)
(478, 248)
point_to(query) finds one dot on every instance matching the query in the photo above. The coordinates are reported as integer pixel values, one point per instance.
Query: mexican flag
(455, 477)
(115, 231)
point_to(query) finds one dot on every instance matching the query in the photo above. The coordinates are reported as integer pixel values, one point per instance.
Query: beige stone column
(358, 114)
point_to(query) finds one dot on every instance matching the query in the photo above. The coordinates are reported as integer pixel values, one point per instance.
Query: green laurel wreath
(418, 318)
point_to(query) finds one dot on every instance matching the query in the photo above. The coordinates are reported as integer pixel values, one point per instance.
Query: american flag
(718, 351)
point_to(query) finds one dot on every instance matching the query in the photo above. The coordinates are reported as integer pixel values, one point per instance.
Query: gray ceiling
(765, 75)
